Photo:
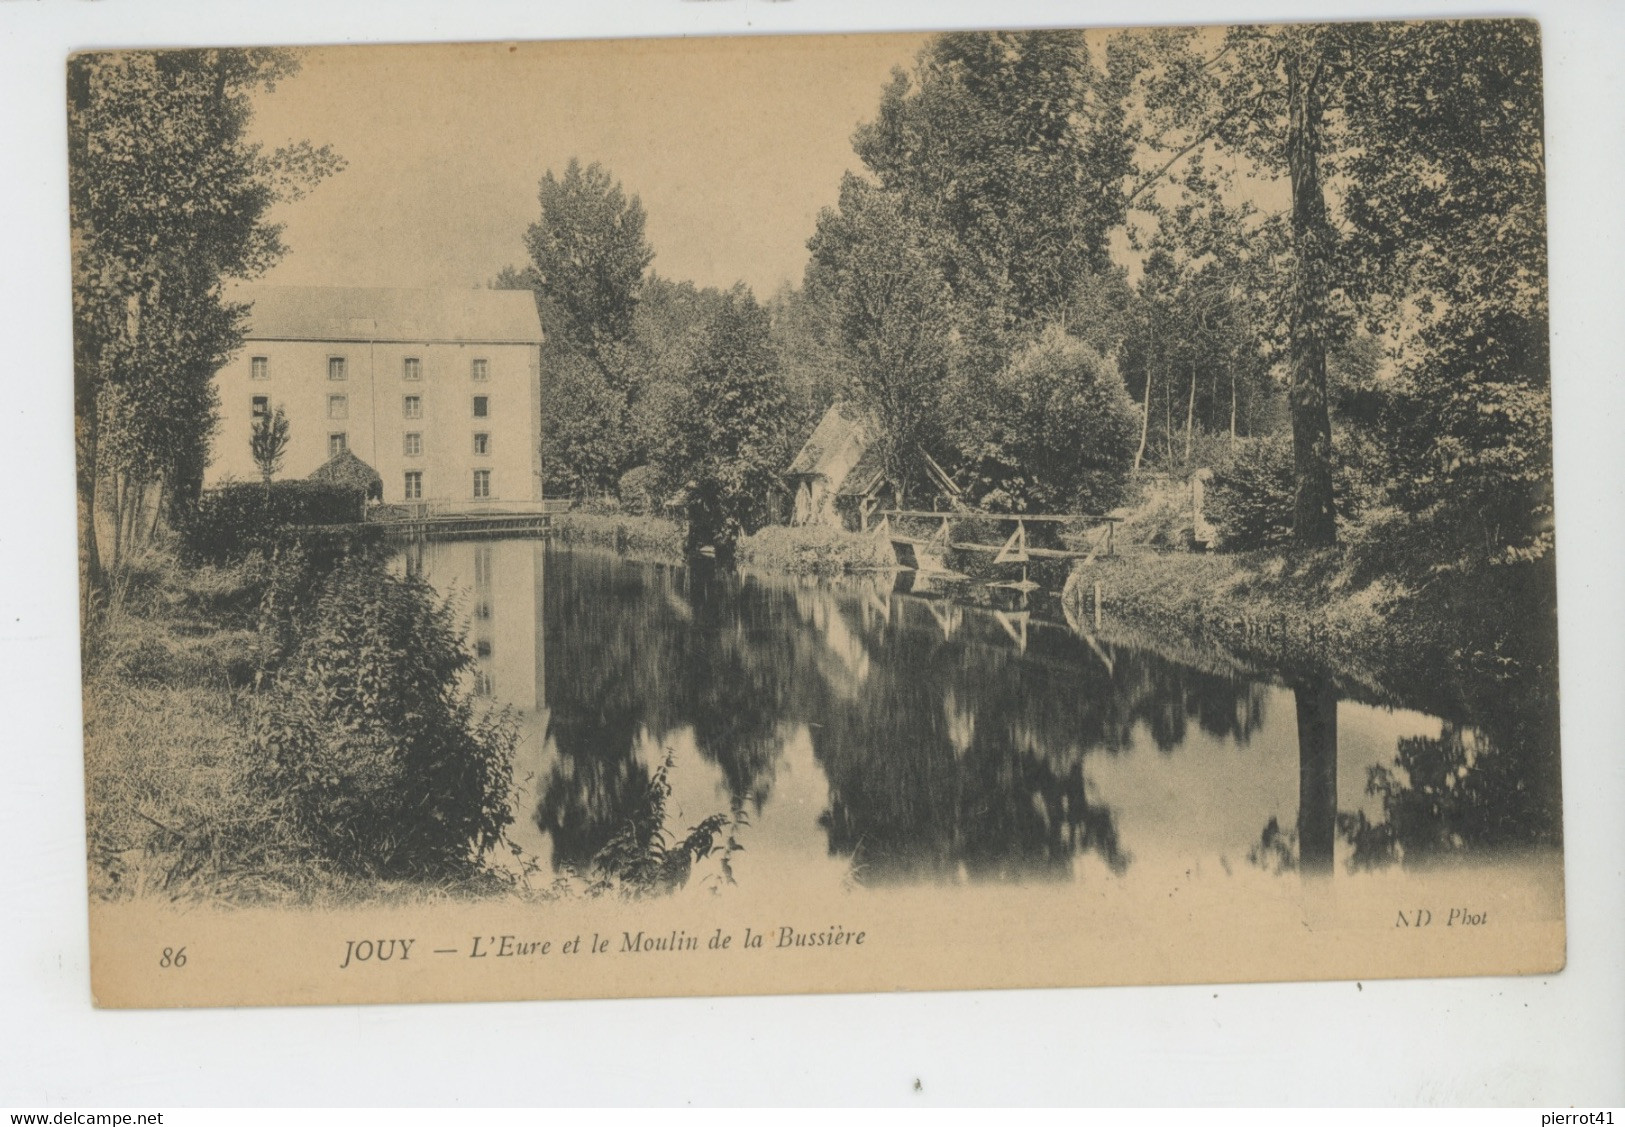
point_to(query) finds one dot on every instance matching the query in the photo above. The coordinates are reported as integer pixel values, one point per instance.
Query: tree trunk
(1168, 422)
(1314, 522)
(1145, 408)
(1232, 366)
(1190, 416)
(157, 513)
(90, 562)
(117, 487)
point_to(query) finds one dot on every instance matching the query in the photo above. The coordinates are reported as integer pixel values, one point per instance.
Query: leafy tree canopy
(167, 199)
(588, 254)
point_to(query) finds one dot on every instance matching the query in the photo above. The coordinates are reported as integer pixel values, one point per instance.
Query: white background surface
(1554, 1041)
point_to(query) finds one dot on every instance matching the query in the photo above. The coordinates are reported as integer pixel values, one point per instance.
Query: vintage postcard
(820, 513)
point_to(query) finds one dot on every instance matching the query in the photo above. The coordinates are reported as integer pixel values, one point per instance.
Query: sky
(733, 145)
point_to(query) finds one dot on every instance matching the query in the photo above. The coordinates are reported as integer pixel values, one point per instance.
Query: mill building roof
(346, 313)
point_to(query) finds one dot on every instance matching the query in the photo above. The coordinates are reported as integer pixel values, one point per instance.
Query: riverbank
(280, 731)
(1450, 643)
(182, 800)
(640, 537)
(819, 550)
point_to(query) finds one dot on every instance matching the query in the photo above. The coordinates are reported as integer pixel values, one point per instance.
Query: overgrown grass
(813, 550)
(192, 682)
(183, 797)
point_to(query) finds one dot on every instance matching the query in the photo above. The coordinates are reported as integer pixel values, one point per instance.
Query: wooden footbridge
(926, 555)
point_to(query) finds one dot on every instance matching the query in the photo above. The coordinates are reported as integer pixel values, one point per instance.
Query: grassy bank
(812, 550)
(183, 799)
(293, 731)
(1448, 641)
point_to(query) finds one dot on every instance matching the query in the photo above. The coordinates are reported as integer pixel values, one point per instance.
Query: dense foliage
(886, 304)
(1372, 339)
(1250, 499)
(234, 520)
(168, 198)
(1054, 432)
(368, 739)
(726, 446)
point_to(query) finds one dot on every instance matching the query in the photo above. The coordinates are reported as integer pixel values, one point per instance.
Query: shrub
(643, 859)
(1251, 499)
(813, 550)
(638, 489)
(1161, 517)
(235, 520)
(1054, 431)
(367, 737)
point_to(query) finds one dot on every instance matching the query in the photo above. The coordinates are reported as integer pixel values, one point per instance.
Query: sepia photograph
(1047, 507)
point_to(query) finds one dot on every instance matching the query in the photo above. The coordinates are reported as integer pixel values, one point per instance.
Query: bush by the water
(813, 550)
(378, 757)
(235, 520)
(1053, 432)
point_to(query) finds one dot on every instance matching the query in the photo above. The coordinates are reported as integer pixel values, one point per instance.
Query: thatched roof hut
(344, 468)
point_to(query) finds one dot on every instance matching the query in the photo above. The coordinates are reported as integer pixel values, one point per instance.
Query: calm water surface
(882, 737)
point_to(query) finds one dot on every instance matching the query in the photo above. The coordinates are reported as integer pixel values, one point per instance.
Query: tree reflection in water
(1316, 701)
(949, 752)
(1458, 793)
(954, 747)
(1463, 791)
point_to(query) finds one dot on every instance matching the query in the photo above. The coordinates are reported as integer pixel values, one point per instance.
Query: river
(874, 737)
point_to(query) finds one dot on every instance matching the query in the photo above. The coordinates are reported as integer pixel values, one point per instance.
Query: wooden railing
(1109, 545)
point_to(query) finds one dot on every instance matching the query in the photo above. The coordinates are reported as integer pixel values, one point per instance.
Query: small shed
(821, 471)
(840, 474)
(344, 468)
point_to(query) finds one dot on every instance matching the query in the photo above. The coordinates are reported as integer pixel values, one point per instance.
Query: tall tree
(889, 307)
(1010, 150)
(1433, 131)
(1447, 232)
(1312, 323)
(588, 256)
(725, 444)
(1262, 93)
(167, 199)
